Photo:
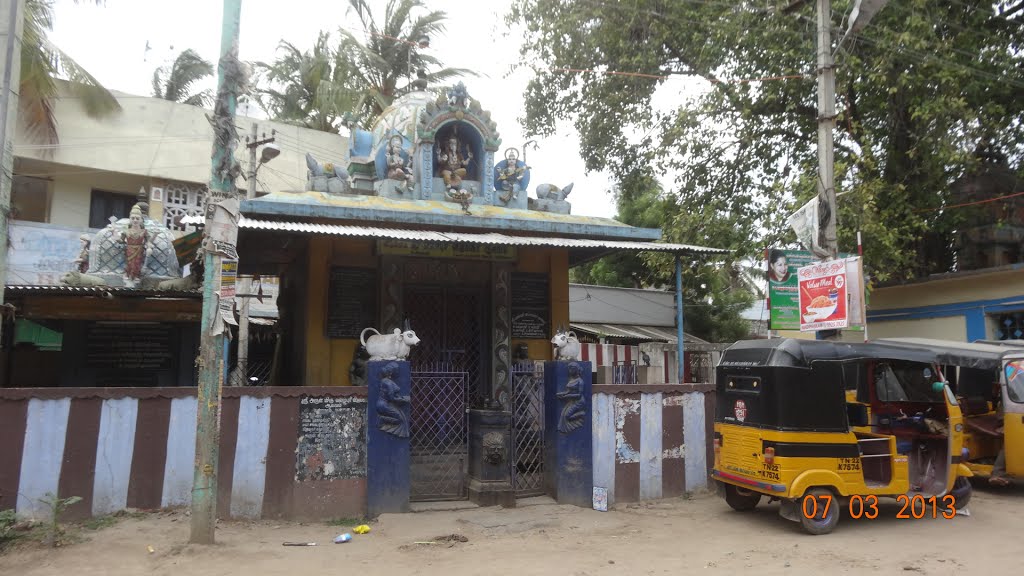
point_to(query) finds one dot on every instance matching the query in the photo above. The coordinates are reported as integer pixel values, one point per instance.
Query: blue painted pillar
(681, 357)
(568, 433)
(387, 437)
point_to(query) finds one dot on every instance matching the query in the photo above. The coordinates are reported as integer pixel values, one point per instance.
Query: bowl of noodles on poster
(823, 295)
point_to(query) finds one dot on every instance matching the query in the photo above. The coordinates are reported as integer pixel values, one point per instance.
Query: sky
(111, 41)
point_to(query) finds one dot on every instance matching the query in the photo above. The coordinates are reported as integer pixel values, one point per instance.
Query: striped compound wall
(652, 441)
(135, 448)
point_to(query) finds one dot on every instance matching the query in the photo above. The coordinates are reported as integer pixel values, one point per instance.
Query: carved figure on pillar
(137, 248)
(391, 404)
(574, 409)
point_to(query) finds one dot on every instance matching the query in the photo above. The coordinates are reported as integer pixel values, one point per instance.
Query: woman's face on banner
(779, 267)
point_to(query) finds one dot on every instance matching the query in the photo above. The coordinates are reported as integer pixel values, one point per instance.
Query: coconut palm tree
(42, 63)
(327, 86)
(175, 82)
(383, 61)
(315, 88)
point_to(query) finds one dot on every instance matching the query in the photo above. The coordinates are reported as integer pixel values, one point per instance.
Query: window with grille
(180, 200)
(1010, 326)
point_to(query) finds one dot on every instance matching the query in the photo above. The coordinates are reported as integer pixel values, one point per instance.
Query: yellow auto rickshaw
(785, 430)
(988, 379)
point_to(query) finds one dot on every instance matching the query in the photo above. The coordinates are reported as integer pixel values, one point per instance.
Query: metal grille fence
(624, 372)
(438, 436)
(702, 367)
(527, 406)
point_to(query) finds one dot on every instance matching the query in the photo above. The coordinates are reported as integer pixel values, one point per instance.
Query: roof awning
(596, 247)
(646, 333)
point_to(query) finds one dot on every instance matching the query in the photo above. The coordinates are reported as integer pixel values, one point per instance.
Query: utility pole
(12, 22)
(245, 284)
(826, 124)
(222, 194)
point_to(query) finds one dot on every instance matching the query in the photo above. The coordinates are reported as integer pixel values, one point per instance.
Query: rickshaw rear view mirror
(857, 414)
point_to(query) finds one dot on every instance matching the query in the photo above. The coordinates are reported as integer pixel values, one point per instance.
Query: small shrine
(437, 148)
(134, 252)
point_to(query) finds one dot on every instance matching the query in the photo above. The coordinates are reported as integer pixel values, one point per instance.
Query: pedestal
(490, 450)
(387, 437)
(568, 433)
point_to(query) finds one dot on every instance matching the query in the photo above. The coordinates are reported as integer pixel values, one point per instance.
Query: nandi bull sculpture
(394, 346)
(567, 346)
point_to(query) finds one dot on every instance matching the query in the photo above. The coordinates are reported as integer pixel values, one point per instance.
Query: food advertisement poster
(823, 303)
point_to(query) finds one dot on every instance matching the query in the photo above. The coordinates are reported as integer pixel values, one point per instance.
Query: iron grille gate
(438, 440)
(527, 407)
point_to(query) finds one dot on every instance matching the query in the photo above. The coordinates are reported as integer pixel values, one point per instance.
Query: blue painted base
(568, 433)
(387, 437)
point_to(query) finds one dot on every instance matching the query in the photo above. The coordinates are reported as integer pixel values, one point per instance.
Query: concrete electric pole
(12, 22)
(219, 236)
(826, 125)
(241, 372)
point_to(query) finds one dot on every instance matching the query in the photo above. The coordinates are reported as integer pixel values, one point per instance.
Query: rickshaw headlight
(769, 455)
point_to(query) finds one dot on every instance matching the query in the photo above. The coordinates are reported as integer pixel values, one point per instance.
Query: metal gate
(438, 438)
(448, 369)
(527, 407)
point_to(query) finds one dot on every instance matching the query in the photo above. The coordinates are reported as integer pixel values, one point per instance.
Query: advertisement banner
(783, 292)
(823, 298)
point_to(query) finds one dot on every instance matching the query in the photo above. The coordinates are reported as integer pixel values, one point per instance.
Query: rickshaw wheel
(741, 499)
(961, 492)
(819, 525)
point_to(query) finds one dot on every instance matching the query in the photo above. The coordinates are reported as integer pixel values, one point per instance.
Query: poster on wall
(822, 296)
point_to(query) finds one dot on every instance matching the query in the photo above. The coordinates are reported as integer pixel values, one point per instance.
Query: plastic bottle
(342, 538)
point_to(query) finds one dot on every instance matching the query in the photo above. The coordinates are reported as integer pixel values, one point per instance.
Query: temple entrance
(449, 370)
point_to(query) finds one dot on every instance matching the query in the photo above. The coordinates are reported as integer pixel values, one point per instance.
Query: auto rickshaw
(785, 430)
(988, 379)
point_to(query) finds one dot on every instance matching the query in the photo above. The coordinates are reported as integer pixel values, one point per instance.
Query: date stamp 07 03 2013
(913, 507)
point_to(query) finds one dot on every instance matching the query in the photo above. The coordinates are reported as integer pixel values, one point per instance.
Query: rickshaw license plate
(849, 464)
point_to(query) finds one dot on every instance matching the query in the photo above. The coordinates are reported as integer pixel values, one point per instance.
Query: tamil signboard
(822, 296)
(462, 250)
(41, 254)
(784, 290)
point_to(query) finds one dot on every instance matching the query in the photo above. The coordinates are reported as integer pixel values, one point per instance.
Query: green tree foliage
(42, 64)
(176, 82)
(355, 79)
(714, 293)
(919, 90)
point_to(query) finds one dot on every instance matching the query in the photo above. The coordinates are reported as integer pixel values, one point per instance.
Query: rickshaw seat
(987, 424)
(975, 405)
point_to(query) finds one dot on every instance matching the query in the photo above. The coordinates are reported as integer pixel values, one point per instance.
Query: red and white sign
(823, 301)
(740, 410)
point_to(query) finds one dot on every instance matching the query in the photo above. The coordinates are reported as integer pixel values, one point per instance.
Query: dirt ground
(700, 535)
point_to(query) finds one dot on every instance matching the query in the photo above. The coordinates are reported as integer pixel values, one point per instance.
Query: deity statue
(82, 262)
(452, 162)
(397, 167)
(510, 175)
(137, 246)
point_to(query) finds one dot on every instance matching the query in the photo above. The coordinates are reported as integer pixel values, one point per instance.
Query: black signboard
(351, 301)
(332, 438)
(129, 347)
(531, 306)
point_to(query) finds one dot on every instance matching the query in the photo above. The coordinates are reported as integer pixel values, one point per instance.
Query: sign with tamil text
(41, 254)
(463, 250)
(823, 304)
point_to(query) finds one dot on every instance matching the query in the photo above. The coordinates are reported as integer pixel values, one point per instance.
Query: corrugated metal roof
(488, 238)
(98, 290)
(649, 333)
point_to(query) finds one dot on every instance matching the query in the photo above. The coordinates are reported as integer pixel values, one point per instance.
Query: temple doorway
(449, 375)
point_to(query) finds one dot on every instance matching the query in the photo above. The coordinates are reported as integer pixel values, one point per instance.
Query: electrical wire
(975, 203)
